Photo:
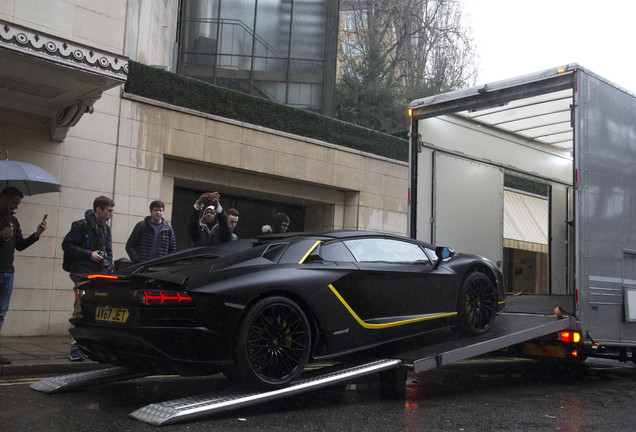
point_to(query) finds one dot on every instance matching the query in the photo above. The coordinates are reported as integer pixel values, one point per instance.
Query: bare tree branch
(401, 48)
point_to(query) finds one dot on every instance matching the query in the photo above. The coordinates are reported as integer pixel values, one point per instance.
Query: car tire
(477, 304)
(273, 343)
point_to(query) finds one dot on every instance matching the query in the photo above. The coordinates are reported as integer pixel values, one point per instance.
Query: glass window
(309, 24)
(355, 20)
(335, 251)
(236, 27)
(272, 28)
(353, 47)
(260, 47)
(386, 250)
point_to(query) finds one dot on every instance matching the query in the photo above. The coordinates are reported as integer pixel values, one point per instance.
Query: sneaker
(4, 360)
(76, 355)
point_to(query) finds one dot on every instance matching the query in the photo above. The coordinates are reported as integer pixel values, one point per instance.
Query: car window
(335, 251)
(431, 253)
(386, 250)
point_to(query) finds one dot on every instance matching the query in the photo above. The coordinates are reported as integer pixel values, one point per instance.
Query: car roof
(333, 234)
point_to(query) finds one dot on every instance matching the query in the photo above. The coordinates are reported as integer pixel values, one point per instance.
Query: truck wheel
(477, 304)
(273, 343)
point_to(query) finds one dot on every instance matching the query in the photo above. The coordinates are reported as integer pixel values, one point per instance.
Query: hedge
(179, 90)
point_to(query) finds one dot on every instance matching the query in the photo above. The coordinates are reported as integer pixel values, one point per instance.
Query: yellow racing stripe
(311, 249)
(386, 325)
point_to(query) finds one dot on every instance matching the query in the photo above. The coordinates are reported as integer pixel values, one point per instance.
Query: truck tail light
(569, 336)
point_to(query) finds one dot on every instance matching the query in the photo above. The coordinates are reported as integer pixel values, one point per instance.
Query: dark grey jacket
(85, 237)
(141, 243)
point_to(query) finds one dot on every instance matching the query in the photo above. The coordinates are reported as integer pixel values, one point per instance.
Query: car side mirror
(442, 253)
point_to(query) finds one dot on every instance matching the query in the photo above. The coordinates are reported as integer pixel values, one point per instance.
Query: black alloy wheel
(477, 304)
(273, 343)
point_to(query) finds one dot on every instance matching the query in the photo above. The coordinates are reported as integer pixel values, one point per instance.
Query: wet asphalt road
(478, 395)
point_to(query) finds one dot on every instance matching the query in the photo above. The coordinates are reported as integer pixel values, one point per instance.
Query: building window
(353, 47)
(274, 49)
(355, 20)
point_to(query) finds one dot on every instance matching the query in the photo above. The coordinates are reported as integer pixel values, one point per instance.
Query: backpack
(68, 260)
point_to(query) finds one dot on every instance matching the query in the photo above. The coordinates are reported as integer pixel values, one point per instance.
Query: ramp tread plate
(68, 382)
(177, 410)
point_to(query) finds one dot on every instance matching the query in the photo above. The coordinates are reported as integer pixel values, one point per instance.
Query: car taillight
(569, 336)
(102, 276)
(163, 297)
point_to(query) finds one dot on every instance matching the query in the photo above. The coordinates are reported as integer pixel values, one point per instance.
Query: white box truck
(537, 173)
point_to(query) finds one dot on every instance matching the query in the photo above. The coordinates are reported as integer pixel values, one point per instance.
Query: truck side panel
(605, 160)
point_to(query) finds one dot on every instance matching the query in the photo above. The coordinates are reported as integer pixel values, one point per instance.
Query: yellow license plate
(117, 315)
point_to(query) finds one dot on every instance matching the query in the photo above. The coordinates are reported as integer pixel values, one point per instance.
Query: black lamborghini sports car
(260, 310)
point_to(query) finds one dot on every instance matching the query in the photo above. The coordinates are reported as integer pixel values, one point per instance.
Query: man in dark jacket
(152, 237)
(200, 226)
(280, 223)
(88, 249)
(213, 227)
(10, 240)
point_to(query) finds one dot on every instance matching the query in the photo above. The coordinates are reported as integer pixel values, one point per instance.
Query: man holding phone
(10, 240)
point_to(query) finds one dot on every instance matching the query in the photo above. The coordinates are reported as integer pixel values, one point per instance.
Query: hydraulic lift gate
(508, 329)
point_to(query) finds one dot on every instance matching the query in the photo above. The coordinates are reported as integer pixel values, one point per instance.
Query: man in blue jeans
(10, 240)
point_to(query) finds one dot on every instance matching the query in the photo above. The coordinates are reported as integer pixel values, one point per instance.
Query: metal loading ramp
(178, 410)
(508, 329)
(74, 381)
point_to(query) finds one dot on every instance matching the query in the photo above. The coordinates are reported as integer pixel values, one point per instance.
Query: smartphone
(45, 216)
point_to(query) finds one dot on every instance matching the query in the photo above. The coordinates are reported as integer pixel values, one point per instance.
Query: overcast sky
(516, 37)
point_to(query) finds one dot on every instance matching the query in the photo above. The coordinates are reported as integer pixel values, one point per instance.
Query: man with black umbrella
(10, 240)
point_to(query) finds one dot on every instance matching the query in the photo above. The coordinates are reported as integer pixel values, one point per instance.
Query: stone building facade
(137, 150)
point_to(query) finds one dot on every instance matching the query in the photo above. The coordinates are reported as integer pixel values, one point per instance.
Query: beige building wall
(161, 146)
(100, 24)
(138, 150)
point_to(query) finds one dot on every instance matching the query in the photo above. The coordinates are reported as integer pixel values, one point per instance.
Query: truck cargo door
(468, 206)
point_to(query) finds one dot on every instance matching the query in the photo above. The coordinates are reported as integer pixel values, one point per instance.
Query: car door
(399, 281)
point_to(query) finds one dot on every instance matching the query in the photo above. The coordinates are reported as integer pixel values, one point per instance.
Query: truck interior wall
(559, 248)
(453, 147)
(425, 195)
(472, 140)
(468, 206)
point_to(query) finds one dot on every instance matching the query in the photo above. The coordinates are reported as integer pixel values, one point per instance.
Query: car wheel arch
(261, 357)
(481, 268)
(299, 300)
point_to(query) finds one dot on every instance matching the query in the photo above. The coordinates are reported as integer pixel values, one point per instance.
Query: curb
(58, 367)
